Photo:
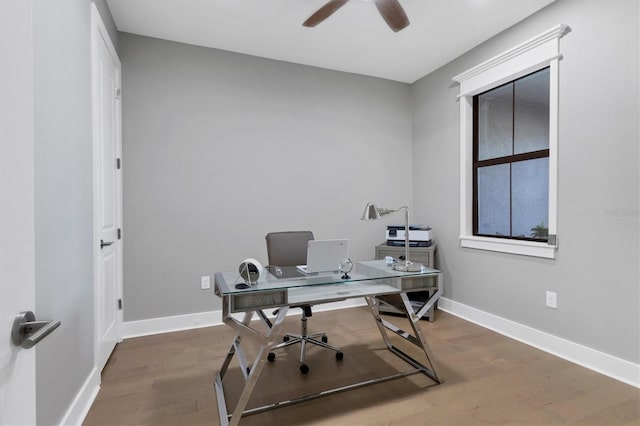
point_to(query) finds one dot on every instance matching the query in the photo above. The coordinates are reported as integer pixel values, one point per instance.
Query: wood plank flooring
(489, 379)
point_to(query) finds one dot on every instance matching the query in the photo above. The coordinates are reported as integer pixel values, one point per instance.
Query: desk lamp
(371, 212)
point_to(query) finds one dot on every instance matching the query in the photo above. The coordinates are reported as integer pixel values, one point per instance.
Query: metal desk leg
(251, 374)
(235, 344)
(401, 302)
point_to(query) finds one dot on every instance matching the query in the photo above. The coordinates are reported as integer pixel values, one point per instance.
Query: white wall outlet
(205, 282)
(552, 299)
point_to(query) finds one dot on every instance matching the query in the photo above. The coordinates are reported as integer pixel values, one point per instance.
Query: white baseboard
(616, 368)
(81, 404)
(206, 319)
(169, 324)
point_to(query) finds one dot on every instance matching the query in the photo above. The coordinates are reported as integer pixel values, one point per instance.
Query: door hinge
(119, 233)
(118, 93)
(118, 163)
(120, 304)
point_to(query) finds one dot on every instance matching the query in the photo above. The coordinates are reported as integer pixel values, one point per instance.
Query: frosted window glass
(531, 113)
(512, 181)
(530, 198)
(495, 123)
(494, 200)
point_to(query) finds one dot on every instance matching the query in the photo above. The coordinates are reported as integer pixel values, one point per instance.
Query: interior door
(17, 276)
(107, 148)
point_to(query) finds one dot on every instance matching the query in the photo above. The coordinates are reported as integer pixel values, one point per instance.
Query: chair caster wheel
(324, 339)
(271, 357)
(304, 368)
(339, 356)
(285, 338)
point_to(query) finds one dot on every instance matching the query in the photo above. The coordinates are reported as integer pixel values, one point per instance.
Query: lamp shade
(371, 212)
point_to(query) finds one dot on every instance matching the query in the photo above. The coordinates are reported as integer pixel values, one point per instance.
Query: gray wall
(63, 202)
(596, 270)
(221, 148)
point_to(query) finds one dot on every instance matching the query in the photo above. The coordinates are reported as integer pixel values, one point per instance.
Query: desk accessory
(250, 271)
(345, 267)
(372, 212)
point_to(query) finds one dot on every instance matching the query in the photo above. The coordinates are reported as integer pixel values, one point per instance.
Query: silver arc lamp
(372, 212)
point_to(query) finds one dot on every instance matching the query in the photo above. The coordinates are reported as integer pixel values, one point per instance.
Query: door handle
(26, 331)
(103, 244)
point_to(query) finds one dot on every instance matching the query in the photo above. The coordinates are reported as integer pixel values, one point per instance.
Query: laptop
(325, 255)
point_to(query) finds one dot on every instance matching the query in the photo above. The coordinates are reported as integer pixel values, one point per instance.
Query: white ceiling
(355, 39)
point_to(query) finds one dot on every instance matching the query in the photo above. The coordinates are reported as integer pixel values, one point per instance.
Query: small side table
(424, 255)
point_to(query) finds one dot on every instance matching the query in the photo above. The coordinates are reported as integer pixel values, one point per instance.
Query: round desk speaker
(251, 270)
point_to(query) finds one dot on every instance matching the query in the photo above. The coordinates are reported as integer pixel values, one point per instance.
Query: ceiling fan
(390, 10)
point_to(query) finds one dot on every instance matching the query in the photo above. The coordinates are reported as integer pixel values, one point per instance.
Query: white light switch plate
(205, 282)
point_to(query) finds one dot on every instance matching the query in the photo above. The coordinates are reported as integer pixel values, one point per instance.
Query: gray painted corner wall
(221, 148)
(596, 271)
(63, 202)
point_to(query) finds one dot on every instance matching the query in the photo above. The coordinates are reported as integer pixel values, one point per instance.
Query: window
(508, 149)
(511, 159)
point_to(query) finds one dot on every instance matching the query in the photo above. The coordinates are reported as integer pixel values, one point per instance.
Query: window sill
(524, 248)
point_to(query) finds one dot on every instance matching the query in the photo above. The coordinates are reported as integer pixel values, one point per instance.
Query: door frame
(99, 31)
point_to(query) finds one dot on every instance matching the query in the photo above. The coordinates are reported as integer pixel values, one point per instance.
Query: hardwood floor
(488, 379)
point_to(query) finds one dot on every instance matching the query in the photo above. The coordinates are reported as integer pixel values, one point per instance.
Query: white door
(107, 148)
(17, 276)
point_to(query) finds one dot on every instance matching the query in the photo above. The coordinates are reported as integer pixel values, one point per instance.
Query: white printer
(419, 235)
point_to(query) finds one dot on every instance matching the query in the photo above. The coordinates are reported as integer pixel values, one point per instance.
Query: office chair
(290, 249)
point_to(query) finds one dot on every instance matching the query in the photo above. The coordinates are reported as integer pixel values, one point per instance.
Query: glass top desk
(285, 287)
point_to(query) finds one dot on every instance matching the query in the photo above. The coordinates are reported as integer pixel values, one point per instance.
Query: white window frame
(534, 54)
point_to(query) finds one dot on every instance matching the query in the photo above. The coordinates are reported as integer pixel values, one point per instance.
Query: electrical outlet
(205, 282)
(552, 299)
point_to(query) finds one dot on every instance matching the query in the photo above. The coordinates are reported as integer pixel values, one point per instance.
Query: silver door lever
(26, 331)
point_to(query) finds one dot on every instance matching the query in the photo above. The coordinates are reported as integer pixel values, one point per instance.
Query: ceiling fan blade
(393, 13)
(324, 12)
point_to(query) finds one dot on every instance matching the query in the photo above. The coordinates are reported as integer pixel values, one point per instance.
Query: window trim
(530, 56)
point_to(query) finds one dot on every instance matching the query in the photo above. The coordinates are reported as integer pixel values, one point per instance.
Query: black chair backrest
(288, 248)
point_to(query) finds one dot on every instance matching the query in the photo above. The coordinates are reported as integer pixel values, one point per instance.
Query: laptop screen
(326, 255)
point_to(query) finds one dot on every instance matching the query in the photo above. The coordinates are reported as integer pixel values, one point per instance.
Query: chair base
(292, 339)
(318, 339)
